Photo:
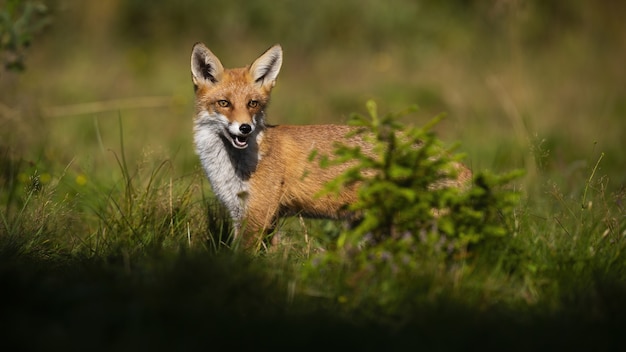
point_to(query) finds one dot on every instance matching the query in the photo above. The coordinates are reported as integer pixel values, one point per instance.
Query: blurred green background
(107, 219)
(534, 84)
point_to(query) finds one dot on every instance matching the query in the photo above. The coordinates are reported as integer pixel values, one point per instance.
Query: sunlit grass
(149, 245)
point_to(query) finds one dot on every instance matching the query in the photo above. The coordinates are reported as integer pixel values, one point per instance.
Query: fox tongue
(241, 141)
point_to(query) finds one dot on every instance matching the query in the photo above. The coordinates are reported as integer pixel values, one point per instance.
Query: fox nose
(245, 128)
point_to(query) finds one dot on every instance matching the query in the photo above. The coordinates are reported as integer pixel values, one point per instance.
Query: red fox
(261, 172)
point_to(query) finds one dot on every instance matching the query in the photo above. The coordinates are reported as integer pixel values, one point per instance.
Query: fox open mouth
(239, 142)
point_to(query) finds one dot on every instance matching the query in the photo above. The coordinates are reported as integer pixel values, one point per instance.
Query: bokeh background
(528, 84)
(109, 235)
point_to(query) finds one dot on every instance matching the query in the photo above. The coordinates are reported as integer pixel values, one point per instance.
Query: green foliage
(20, 20)
(415, 213)
(409, 187)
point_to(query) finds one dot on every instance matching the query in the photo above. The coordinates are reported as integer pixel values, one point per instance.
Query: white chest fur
(228, 169)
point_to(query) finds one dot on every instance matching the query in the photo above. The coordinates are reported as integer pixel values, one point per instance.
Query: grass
(110, 237)
(143, 261)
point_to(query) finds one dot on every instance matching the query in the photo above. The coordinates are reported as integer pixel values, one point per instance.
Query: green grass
(111, 239)
(143, 261)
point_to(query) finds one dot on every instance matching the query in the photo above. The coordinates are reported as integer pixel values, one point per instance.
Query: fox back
(262, 172)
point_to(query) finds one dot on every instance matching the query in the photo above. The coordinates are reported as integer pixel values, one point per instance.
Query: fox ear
(265, 69)
(206, 68)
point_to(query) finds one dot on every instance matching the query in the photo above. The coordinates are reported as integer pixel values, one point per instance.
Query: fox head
(233, 101)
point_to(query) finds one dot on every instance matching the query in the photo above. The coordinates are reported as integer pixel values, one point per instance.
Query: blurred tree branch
(20, 20)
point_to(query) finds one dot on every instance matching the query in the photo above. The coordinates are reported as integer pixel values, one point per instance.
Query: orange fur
(264, 172)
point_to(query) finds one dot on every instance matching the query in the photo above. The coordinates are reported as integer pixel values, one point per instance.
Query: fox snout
(239, 134)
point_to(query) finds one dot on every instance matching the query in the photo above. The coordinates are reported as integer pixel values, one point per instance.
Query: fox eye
(253, 103)
(223, 103)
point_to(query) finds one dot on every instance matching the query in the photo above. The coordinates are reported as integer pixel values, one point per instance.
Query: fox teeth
(240, 141)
